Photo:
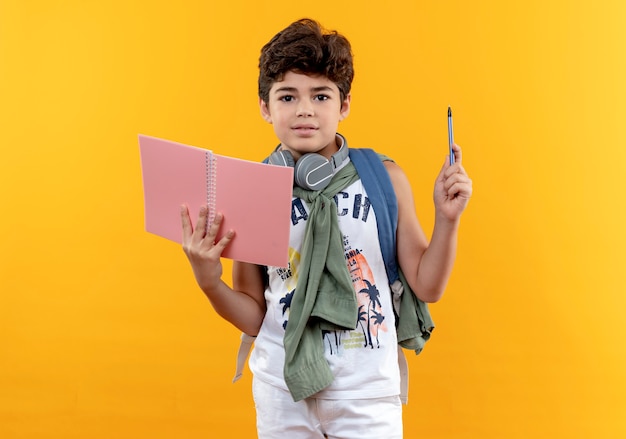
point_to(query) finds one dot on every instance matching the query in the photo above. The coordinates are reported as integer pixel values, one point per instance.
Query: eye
(321, 98)
(286, 98)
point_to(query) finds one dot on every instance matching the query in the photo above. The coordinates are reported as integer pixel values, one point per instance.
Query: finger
(224, 241)
(455, 177)
(461, 188)
(214, 227)
(186, 222)
(458, 154)
(200, 230)
(457, 168)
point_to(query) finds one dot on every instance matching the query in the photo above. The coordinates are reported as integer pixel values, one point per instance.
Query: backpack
(380, 192)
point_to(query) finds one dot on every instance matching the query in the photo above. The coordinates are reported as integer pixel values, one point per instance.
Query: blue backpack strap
(381, 194)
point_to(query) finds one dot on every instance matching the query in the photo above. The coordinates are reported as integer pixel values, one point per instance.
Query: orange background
(103, 332)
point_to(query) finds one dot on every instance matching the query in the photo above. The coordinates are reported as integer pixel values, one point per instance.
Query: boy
(325, 361)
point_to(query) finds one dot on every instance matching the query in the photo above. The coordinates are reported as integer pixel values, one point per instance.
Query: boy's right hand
(201, 249)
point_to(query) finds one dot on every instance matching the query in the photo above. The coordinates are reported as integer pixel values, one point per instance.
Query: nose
(305, 108)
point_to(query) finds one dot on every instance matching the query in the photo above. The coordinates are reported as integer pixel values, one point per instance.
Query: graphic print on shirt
(371, 319)
(289, 276)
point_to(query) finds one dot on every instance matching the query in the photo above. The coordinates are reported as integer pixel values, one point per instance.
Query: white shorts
(279, 417)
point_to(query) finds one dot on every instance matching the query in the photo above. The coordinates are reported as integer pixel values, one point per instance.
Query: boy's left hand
(453, 188)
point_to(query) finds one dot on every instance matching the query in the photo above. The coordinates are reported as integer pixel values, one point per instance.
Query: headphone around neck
(312, 171)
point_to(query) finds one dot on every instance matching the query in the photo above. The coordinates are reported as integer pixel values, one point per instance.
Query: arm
(427, 266)
(244, 304)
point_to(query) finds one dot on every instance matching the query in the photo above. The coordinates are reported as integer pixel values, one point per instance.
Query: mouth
(304, 129)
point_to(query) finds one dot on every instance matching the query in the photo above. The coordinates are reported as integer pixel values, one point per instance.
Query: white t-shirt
(364, 361)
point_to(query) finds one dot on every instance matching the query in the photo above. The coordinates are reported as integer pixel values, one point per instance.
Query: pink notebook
(255, 198)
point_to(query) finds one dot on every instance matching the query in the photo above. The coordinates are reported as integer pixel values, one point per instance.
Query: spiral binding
(211, 185)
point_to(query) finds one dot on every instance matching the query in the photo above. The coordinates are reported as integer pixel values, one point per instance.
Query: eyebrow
(294, 89)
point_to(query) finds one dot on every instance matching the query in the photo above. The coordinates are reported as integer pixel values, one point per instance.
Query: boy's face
(305, 112)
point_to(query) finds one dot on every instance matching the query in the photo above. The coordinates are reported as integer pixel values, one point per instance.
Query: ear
(265, 111)
(345, 108)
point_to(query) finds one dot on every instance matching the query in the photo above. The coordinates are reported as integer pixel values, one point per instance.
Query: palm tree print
(326, 332)
(378, 320)
(286, 301)
(363, 318)
(374, 300)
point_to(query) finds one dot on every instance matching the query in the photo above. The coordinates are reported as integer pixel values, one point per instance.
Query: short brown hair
(305, 47)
